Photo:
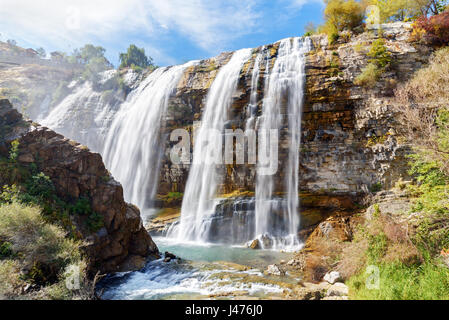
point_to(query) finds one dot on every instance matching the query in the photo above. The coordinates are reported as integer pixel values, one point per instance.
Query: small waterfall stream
(201, 190)
(283, 99)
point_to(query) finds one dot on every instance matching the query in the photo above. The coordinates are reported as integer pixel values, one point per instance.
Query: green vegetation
(406, 270)
(29, 186)
(36, 255)
(412, 255)
(93, 61)
(400, 282)
(135, 58)
(350, 15)
(380, 59)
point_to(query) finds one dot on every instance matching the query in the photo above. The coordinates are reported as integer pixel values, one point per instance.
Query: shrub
(40, 187)
(38, 253)
(436, 28)
(380, 59)
(81, 207)
(379, 54)
(369, 76)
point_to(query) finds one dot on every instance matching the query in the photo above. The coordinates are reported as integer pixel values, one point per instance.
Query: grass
(38, 254)
(401, 282)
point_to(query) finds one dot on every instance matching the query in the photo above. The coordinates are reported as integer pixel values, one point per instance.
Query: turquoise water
(215, 252)
(204, 272)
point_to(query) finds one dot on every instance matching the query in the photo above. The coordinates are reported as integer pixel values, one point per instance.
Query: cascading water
(83, 115)
(278, 219)
(199, 198)
(133, 146)
(252, 106)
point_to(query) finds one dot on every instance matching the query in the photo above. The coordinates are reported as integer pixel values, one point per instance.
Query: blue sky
(171, 31)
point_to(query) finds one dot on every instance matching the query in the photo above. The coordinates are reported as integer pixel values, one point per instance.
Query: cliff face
(349, 143)
(122, 244)
(348, 131)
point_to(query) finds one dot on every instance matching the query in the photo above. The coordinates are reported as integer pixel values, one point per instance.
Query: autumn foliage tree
(436, 28)
(340, 15)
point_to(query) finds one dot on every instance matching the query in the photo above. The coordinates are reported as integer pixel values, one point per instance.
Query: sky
(170, 31)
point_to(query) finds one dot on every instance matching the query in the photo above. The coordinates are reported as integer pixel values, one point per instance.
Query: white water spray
(133, 146)
(285, 91)
(200, 194)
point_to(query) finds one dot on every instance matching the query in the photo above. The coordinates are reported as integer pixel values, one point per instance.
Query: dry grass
(36, 240)
(41, 256)
(418, 101)
(398, 246)
(353, 258)
(10, 282)
(321, 257)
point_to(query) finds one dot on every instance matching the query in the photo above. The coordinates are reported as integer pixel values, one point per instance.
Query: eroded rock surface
(123, 243)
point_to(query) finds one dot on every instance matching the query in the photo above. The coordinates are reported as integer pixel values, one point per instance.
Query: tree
(135, 57)
(93, 59)
(403, 10)
(41, 52)
(11, 42)
(340, 15)
(310, 29)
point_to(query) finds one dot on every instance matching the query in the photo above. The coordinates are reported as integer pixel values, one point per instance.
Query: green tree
(135, 57)
(41, 52)
(93, 60)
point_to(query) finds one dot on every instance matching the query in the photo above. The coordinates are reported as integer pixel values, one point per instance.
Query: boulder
(275, 270)
(338, 289)
(332, 277)
(255, 244)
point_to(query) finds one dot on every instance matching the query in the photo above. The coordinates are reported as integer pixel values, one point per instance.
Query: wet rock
(255, 244)
(169, 256)
(266, 241)
(332, 277)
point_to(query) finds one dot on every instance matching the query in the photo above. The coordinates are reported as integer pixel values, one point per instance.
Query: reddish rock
(123, 244)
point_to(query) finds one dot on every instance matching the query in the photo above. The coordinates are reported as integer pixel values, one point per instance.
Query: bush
(436, 28)
(369, 76)
(38, 253)
(380, 59)
(379, 54)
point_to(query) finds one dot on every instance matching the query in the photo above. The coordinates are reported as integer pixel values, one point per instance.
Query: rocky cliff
(122, 243)
(349, 143)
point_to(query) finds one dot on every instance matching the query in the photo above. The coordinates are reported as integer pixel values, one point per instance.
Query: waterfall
(83, 115)
(284, 93)
(254, 93)
(199, 198)
(133, 146)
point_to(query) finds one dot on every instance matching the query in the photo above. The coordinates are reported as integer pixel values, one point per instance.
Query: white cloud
(209, 24)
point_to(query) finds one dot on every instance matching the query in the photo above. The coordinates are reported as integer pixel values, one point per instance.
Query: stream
(204, 271)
